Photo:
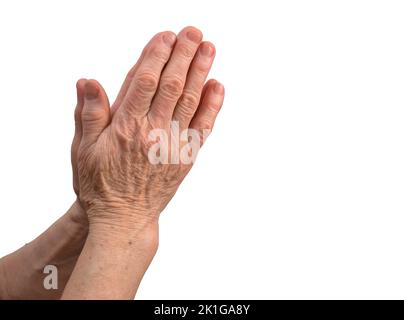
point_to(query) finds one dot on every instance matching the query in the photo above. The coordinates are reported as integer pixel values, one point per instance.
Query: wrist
(142, 234)
(119, 222)
(22, 272)
(113, 261)
(77, 215)
(66, 237)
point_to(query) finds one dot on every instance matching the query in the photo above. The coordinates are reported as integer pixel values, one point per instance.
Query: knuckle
(171, 87)
(93, 115)
(201, 66)
(159, 54)
(205, 124)
(156, 114)
(190, 98)
(187, 104)
(130, 74)
(184, 112)
(213, 109)
(185, 51)
(146, 83)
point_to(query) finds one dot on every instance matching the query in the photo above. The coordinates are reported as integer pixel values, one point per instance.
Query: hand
(77, 214)
(117, 181)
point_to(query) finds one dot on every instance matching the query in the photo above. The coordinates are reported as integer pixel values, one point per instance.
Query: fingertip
(169, 38)
(95, 116)
(192, 29)
(218, 88)
(92, 89)
(80, 83)
(80, 90)
(210, 82)
(192, 33)
(207, 48)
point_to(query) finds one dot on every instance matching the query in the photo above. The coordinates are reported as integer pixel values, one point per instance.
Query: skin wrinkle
(110, 234)
(130, 191)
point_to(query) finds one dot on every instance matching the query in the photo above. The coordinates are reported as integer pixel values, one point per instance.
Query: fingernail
(219, 89)
(169, 39)
(206, 50)
(194, 36)
(92, 91)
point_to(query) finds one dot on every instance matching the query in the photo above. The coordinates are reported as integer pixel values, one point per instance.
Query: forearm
(22, 272)
(113, 262)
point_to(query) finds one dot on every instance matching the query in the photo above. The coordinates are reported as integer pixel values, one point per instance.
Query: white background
(298, 192)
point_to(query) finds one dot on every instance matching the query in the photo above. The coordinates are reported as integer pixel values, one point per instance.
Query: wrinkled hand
(125, 172)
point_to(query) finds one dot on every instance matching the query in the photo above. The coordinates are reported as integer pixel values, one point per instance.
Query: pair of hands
(118, 186)
(128, 161)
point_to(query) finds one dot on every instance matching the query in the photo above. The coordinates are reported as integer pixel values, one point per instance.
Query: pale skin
(111, 232)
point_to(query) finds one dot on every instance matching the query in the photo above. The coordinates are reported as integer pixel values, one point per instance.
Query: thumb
(77, 132)
(95, 115)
